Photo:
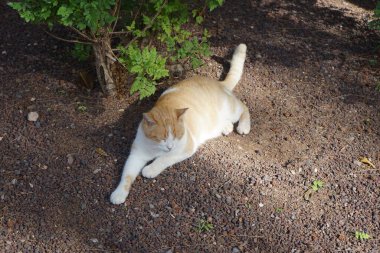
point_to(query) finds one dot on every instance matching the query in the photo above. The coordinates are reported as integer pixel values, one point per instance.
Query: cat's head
(164, 126)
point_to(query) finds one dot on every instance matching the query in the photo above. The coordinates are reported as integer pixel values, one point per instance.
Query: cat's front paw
(244, 127)
(118, 196)
(150, 172)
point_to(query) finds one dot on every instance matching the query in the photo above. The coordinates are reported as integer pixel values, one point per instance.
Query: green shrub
(128, 31)
(375, 23)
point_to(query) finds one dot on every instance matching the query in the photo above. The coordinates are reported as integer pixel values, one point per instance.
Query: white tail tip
(236, 69)
(241, 49)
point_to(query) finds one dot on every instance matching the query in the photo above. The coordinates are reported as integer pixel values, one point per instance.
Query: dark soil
(309, 82)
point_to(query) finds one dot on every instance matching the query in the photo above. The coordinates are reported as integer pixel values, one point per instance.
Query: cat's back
(205, 98)
(196, 89)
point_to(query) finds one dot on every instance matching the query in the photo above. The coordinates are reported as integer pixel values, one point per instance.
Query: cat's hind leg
(244, 126)
(228, 128)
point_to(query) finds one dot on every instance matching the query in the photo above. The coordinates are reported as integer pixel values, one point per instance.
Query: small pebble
(33, 116)
(154, 215)
(229, 200)
(261, 204)
(267, 178)
(14, 181)
(96, 171)
(70, 159)
(94, 240)
(235, 250)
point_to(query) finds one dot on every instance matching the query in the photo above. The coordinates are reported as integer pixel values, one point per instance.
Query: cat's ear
(148, 119)
(180, 112)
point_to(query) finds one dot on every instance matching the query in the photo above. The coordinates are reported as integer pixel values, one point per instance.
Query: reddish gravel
(309, 82)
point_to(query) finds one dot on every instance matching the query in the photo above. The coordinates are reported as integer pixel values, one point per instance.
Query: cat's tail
(236, 69)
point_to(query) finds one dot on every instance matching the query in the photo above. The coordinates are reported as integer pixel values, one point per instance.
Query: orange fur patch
(128, 183)
(163, 118)
(202, 96)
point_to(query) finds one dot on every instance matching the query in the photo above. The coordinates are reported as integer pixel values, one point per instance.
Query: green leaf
(145, 87)
(136, 69)
(196, 62)
(204, 226)
(194, 13)
(199, 20)
(213, 4)
(16, 6)
(146, 20)
(361, 235)
(317, 185)
(81, 51)
(64, 11)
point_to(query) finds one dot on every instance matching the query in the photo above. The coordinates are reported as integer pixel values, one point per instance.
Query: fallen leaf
(308, 194)
(368, 162)
(10, 224)
(101, 152)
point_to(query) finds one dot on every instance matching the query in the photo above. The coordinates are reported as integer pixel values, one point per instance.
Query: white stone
(94, 240)
(33, 116)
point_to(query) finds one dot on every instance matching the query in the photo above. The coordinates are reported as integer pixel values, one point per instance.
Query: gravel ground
(309, 83)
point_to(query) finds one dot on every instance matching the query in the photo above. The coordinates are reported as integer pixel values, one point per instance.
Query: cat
(185, 116)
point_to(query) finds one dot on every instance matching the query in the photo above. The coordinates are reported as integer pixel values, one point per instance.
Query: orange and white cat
(185, 116)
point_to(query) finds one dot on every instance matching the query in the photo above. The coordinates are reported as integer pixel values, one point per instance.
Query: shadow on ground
(309, 87)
